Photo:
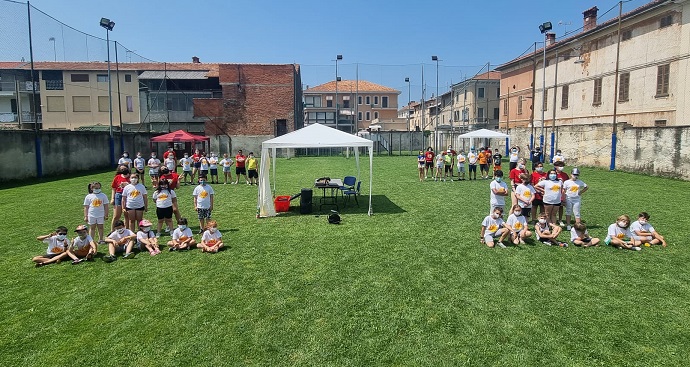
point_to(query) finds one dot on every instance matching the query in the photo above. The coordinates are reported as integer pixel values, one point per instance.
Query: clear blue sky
(390, 40)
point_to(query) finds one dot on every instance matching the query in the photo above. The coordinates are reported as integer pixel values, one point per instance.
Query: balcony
(27, 117)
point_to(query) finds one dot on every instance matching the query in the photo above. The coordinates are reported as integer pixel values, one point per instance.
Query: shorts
(227, 169)
(187, 173)
(537, 202)
(420, 165)
(118, 199)
(642, 238)
(494, 206)
(214, 171)
(572, 207)
(484, 167)
(489, 238)
(429, 164)
(203, 172)
(439, 166)
(120, 248)
(203, 213)
(240, 171)
(95, 220)
(557, 204)
(164, 213)
(140, 209)
(497, 168)
(512, 165)
(448, 168)
(461, 168)
(473, 168)
(153, 173)
(253, 173)
(526, 211)
(197, 165)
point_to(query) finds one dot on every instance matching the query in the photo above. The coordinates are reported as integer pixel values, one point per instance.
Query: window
(666, 21)
(480, 114)
(130, 103)
(505, 107)
(312, 101)
(564, 96)
(519, 106)
(480, 92)
(53, 79)
(346, 103)
(329, 101)
(498, 93)
(128, 78)
(545, 107)
(384, 101)
(368, 114)
(496, 113)
(626, 35)
(102, 78)
(659, 123)
(103, 105)
(359, 116)
(368, 100)
(662, 78)
(596, 101)
(456, 115)
(56, 103)
(624, 87)
(376, 115)
(359, 100)
(376, 100)
(81, 103)
(78, 78)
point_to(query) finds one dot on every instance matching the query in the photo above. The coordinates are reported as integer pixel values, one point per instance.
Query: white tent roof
(483, 133)
(317, 136)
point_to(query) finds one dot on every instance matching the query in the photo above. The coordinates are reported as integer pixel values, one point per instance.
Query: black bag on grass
(334, 217)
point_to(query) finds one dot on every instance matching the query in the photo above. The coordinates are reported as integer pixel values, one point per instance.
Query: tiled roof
(490, 75)
(212, 69)
(362, 86)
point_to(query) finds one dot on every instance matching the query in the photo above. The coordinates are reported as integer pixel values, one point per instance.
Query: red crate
(282, 203)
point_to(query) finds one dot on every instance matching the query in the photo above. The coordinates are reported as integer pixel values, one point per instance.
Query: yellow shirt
(252, 163)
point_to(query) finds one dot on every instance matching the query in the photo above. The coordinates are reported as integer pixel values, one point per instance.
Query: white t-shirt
(145, 235)
(618, 232)
(526, 193)
(96, 203)
(170, 163)
(164, 198)
(134, 196)
(572, 188)
(139, 163)
(637, 226)
(116, 236)
(558, 158)
(203, 196)
(213, 163)
(514, 156)
(204, 164)
(124, 160)
(461, 160)
(574, 234)
(497, 200)
(472, 158)
(492, 225)
(186, 164)
(154, 162)
(211, 238)
(552, 191)
(56, 246)
(79, 244)
(182, 235)
(518, 223)
(226, 162)
(439, 161)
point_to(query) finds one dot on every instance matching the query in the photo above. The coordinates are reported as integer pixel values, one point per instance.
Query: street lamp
(407, 80)
(543, 28)
(108, 25)
(435, 58)
(337, 79)
(52, 39)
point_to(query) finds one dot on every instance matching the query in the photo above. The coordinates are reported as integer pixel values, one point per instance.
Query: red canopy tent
(179, 136)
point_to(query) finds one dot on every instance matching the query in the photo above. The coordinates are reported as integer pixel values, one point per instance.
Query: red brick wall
(211, 109)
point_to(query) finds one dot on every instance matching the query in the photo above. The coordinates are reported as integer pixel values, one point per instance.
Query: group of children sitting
(124, 241)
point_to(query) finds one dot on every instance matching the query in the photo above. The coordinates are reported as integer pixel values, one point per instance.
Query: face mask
(186, 156)
(125, 172)
(134, 181)
(540, 169)
(212, 229)
(164, 187)
(202, 183)
(495, 216)
(558, 153)
(121, 231)
(521, 166)
(153, 156)
(642, 221)
(182, 227)
(575, 177)
(138, 155)
(96, 191)
(622, 224)
(145, 229)
(542, 221)
(517, 214)
(125, 155)
(61, 237)
(499, 179)
(82, 235)
(514, 150)
(559, 169)
(552, 176)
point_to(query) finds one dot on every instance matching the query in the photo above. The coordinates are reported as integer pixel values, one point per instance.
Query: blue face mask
(499, 179)
(202, 183)
(552, 176)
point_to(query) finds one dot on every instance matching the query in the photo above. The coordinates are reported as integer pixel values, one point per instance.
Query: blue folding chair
(348, 184)
(353, 192)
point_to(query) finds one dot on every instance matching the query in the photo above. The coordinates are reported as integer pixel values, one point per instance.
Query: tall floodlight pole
(337, 79)
(108, 25)
(436, 140)
(407, 80)
(544, 28)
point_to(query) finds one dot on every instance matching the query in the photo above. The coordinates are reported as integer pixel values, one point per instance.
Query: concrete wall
(62, 152)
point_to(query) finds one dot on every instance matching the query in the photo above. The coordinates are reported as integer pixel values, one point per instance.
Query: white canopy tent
(484, 134)
(312, 136)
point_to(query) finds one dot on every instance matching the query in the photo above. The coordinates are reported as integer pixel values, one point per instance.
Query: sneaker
(560, 223)
(167, 230)
(158, 235)
(77, 261)
(171, 249)
(562, 244)
(101, 242)
(547, 243)
(109, 258)
(201, 231)
(500, 244)
(129, 255)
(636, 248)
(569, 227)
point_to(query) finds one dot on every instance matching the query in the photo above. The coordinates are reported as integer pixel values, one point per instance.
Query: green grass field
(409, 286)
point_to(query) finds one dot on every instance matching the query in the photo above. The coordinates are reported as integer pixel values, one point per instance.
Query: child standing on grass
(58, 244)
(166, 204)
(121, 240)
(493, 227)
(644, 232)
(139, 164)
(461, 165)
(525, 193)
(579, 236)
(83, 246)
(551, 190)
(440, 159)
(125, 160)
(253, 169)
(146, 238)
(182, 237)
(619, 235)
(213, 166)
(420, 165)
(574, 188)
(211, 239)
(548, 232)
(227, 163)
(517, 225)
(203, 202)
(96, 210)
(170, 162)
(186, 164)
(499, 191)
(154, 165)
(134, 201)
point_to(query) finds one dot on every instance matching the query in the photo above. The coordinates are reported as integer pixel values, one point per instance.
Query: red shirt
(429, 156)
(536, 177)
(119, 182)
(196, 157)
(515, 175)
(167, 153)
(562, 176)
(239, 160)
(173, 180)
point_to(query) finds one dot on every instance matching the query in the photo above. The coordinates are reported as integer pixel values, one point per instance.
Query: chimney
(550, 38)
(590, 18)
(195, 60)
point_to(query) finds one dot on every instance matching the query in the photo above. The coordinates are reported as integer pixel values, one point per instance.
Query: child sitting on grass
(83, 246)
(211, 239)
(548, 232)
(579, 236)
(58, 244)
(121, 240)
(182, 237)
(643, 232)
(517, 225)
(146, 238)
(618, 232)
(494, 227)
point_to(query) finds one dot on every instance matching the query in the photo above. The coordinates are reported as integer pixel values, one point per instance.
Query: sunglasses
(64, 234)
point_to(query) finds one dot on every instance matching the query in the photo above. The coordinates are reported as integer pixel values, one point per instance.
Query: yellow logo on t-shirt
(186, 164)
(620, 235)
(57, 250)
(555, 188)
(203, 194)
(96, 202)
(527, 194)
(493, 228)
(183, 238)
(461, 159)
(211, 242)
(518, 225)
(134, 193)
(162, 196)
(574, 188)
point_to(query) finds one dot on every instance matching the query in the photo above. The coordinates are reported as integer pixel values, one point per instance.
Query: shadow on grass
(380, 204)
(35, 181)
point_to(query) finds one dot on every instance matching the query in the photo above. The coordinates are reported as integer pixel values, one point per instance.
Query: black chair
(354, 193)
